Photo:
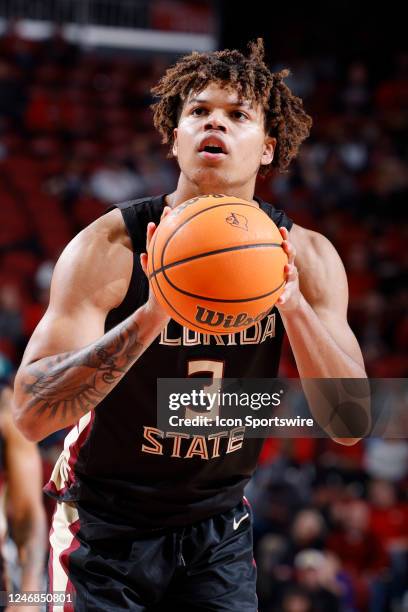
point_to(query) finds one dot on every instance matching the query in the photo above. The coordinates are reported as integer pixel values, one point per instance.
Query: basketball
(216, 264)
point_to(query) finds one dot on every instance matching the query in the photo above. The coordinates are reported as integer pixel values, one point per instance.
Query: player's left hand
(290, 298)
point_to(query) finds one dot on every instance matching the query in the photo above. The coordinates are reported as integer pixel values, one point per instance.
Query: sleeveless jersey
(117, 464)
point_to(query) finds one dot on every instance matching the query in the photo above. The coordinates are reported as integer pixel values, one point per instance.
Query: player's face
(220, 141)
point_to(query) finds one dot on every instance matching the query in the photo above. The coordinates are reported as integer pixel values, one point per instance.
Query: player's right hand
(152, 303)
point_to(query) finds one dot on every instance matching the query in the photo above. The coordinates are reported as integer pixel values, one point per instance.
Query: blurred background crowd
(76, 136)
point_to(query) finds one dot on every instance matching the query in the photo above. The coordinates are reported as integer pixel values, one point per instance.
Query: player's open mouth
(212, 147)
(212, 153)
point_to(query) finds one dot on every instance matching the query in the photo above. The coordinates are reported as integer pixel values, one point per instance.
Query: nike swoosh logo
(236, 523)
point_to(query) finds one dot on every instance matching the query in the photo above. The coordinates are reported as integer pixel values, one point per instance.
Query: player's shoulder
(109, 228)
(102, 238)
(311, 244)
(117, 226)
(99, 257)
(319, 265)
(318, 262)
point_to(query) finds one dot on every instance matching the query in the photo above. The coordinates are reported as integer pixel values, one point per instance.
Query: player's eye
(198, 111)
(236, 114)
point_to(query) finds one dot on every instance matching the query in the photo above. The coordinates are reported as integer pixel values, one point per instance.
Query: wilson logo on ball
(237, 220)
(222, 319)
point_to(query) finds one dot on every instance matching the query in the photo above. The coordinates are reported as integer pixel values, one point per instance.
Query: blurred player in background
(21, 501)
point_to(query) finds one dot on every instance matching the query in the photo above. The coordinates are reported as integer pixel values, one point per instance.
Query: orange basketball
(216, 264)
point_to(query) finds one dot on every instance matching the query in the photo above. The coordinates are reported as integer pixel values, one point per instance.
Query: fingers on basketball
(165, 212)
(287, 246)
(151, 228)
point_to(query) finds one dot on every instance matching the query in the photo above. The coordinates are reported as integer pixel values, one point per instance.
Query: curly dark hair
(285, 118)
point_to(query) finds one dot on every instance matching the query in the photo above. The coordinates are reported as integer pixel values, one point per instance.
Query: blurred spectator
(70, 184)
(336, 186)
(387, 459)
(157, 178)
(356, 95)
(34, 309)
(6, 367)
(317, 576)
(308, 530)
(10, 313)
(43, 279)
(389, 517)
(113, 182)
(360, 550)
(389, 521)
(296, 599)
(277, 492)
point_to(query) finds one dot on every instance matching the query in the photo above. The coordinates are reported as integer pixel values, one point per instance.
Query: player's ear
(175, 143)
(268, 150)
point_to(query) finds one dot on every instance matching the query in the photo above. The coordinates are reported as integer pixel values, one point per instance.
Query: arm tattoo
(71, 384)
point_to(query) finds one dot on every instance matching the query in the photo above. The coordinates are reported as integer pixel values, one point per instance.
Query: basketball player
(145, 517)
(21, 501)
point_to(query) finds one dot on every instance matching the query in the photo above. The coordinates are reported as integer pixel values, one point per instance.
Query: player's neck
(186, 190)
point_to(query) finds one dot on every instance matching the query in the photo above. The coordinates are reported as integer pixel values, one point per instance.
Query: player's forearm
(316, 353)
(343, 411)
(55, 392)
(30, 538)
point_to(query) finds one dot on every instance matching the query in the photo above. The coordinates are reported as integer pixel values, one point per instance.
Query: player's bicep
(60, 332)
(90, 278)
(326, 290)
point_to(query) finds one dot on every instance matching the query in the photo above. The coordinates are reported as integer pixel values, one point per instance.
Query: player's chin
(211, 168)
(210, 175)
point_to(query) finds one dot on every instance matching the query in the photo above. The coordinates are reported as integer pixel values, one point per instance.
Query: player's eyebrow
(243, 103)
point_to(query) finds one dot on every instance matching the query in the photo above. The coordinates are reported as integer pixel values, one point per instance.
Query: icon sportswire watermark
(284, 407)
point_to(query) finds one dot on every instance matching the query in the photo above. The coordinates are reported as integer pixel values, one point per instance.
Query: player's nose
(215, 121)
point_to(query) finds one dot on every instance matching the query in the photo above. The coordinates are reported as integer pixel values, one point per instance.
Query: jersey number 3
(200, 368)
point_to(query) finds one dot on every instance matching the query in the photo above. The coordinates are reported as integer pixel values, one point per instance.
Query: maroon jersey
(118, 463)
